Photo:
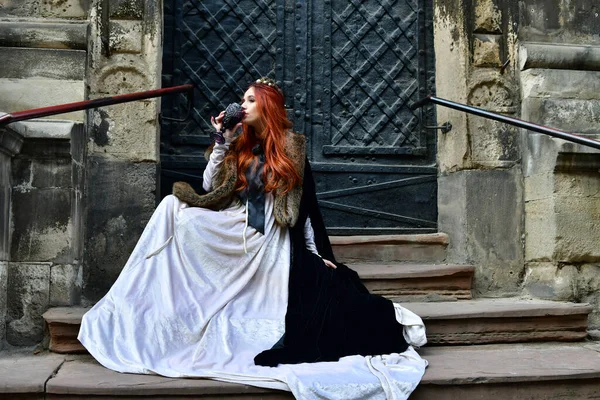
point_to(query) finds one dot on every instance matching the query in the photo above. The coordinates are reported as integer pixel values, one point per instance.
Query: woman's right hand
(217, 123)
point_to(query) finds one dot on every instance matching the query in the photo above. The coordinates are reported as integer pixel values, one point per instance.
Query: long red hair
(279, 170)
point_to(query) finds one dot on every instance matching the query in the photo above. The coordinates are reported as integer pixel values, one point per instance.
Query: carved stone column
(124, 55)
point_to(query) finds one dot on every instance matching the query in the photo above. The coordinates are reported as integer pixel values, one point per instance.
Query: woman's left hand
(329, 264)
(217, 123)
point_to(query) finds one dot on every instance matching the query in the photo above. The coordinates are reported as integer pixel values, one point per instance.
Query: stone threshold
(428, 238)
(390, 248)
(531, 371)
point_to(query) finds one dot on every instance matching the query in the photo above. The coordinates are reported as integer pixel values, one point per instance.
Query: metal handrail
(87, 104)
(508, 120)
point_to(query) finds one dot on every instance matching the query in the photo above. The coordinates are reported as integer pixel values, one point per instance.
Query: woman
(240, 283)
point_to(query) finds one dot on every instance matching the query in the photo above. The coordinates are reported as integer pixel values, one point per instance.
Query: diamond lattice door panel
(349, 69)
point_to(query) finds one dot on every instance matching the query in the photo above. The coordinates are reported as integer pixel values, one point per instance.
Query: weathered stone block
(539, 152)
(559, 56)
(542, 15)
(583, 17)
(55, 35)
(19, 8)
(578, 229)
(559, 21)
(545, 280)
(125, 74)
(54, 173)
(587, 291)
(28, 297)
(24, 94)
(491, 90)
(578, 283)
(42, 63)
(65, 285)
(559, 83)
(452, 52)
(21, 173)
(11, 140)
(486, 51)
(452, 218)
(126, 9)
(571, 115)
(41, 173)
(539, 186)
(494, 214)
(47, 129)
(578, 184)
(481, 211)
(487, 17)
(540, 228)
(126, 36)
(127, 131)
(120, 202)
(494, 144)
(563, 219)
(78, 9)
(42, 226)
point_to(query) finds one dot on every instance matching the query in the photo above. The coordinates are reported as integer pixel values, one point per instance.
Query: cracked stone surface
(26, 372)
(84, 376)
(473, 372)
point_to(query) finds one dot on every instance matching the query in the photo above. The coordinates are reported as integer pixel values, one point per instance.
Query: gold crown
(268, 82)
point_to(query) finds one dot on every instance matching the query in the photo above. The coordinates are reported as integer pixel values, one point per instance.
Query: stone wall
(43, 45)
(84, 180)
(43, 268)
(125, 55)
(480, 183)
(524, 208)
(560, 75)
(75, 196)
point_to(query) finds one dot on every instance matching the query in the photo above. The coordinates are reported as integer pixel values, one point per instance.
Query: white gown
(192, 302)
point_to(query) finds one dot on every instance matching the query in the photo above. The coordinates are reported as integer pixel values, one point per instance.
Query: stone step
(417, 282)
(63, 327)
(505, 320)
(400, 282)
(465, 322)
(390, 248)
(548, 371)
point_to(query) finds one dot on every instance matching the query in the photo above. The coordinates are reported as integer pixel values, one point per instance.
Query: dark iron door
(349, 70)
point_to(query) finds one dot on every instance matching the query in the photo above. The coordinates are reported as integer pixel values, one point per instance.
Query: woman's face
(249, 105)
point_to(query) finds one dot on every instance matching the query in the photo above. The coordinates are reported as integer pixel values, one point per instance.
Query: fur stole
(286, 208)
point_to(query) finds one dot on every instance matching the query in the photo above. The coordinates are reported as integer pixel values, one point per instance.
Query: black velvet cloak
(330, 313)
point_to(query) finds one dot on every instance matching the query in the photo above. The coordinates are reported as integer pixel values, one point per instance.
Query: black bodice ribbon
(254, 194)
